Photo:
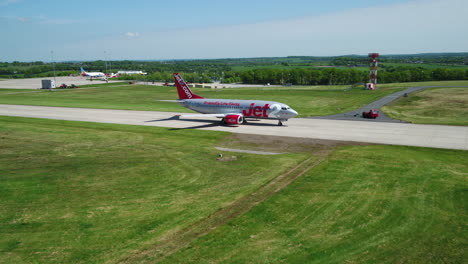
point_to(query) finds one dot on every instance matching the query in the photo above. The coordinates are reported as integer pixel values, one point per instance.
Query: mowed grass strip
(103, 96)
(77, 192)
(444, 106)
(308, 101)
(181, 239)
(365, 204)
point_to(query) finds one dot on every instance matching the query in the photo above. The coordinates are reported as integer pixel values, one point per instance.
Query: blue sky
(89, 30)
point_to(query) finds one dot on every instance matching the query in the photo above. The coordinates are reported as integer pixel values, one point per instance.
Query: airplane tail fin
(83, 72)
(183, 90)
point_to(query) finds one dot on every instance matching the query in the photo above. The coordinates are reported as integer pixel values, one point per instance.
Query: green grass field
(308, 101)
(424, 65)
(76, 192)
(366, 204)
(103, 96)
(445, 106)
(434, 83)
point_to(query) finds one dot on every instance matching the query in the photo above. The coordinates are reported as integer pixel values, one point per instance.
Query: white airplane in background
(232, 112)
(91, 74)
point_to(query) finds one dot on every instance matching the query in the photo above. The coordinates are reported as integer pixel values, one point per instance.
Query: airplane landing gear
(280, 123)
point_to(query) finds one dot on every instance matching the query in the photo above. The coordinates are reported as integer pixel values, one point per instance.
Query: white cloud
(41, 20)
(132, 34)
(57, 21)
(23, 19)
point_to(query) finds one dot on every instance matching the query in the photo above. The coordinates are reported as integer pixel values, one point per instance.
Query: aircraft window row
(229, 106)
(239, 107)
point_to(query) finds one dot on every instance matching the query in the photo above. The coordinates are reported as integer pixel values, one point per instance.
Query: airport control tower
(373, 71)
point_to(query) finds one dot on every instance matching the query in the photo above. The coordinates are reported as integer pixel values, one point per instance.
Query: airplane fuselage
(232, 111)
(91, 74)
(247, 108)
(94, 74)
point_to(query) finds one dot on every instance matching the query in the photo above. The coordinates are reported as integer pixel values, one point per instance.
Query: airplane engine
(233, 119)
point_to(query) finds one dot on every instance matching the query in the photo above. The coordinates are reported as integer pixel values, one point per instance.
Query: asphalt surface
(436, 136)
(356, 115)
(36, 83)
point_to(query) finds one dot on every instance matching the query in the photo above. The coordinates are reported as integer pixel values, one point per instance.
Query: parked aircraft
(112, 75)
(91, 74)
(232, 112)
(132, 72)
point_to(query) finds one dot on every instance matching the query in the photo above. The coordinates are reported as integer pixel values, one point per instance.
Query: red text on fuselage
(256, 111)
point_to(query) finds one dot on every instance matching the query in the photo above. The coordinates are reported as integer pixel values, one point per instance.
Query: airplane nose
(293, 113)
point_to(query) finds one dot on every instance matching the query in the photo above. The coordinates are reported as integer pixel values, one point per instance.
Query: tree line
(315, 76)
(40, 69)
(335, 76)
(297, 70)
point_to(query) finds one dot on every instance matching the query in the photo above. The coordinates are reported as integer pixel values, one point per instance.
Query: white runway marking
(436, 136)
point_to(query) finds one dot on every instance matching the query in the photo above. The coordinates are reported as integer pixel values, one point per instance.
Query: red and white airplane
(91, 74)
(232, 112)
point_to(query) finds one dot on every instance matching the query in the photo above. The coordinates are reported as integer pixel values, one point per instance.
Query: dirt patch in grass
(283, 144)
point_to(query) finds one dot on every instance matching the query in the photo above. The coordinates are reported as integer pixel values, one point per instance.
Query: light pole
(53, 65)
(105, 58)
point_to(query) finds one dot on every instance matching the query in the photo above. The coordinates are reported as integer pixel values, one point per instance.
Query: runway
(435, 136)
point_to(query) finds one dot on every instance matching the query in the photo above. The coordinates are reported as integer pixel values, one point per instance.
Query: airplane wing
(228, 118)
(205, 115)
